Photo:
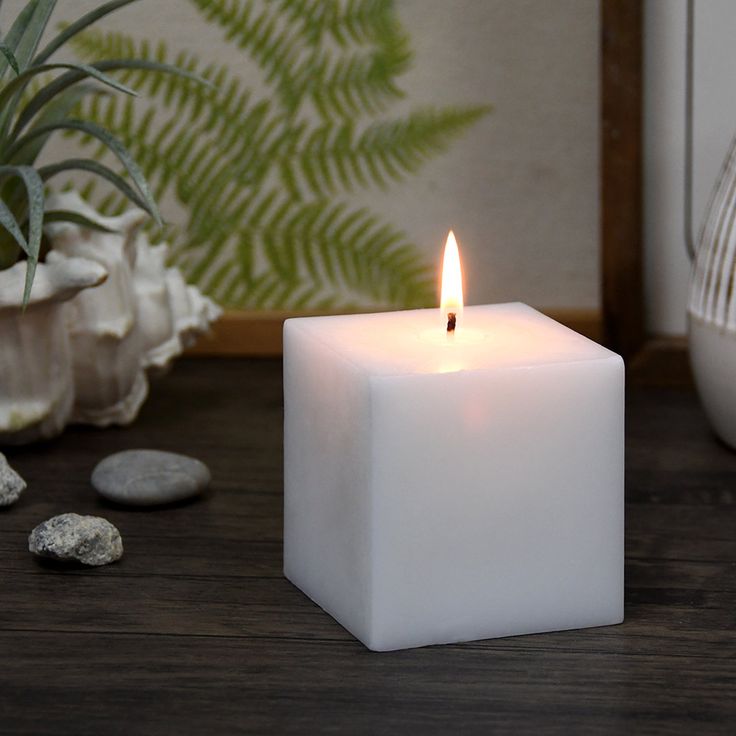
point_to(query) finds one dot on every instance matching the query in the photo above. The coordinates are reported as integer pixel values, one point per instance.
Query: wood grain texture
(621, 175)
(196, 631)
(245, 334)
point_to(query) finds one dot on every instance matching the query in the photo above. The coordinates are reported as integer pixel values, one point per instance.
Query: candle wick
(451, 321)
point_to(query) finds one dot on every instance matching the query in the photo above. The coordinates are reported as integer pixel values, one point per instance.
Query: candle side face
(501, 494)
(412, 342)
(327, 498)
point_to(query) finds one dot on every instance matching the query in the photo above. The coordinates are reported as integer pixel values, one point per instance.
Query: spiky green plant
(37, 98)
(268, 181)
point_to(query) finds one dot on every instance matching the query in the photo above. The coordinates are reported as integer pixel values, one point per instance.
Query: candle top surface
(510, 335)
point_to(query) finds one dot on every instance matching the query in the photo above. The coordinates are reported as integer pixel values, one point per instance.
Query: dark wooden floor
(196, 631)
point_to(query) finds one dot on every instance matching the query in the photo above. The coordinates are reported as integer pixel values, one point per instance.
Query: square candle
(444, 488)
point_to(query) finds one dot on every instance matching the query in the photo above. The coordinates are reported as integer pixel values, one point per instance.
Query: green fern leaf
(257, 30)
(387, 151)
(358, 22)
(351, 85)
(338, 251)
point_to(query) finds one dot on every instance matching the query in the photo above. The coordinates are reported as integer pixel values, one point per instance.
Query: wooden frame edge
(622, 281)
(650, 361)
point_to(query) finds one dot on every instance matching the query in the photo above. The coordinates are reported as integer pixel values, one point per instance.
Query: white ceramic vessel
(712, 305)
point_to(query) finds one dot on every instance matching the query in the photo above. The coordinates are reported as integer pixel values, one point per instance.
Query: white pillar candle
(449, 488)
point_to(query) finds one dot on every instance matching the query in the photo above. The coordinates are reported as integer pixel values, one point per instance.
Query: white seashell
(193, 312)
(86, 359)
(142, 318)
(36, 378)
(172, 314)
(160, 338)
(110, 380)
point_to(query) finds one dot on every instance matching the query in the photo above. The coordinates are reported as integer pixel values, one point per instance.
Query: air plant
(38, 98)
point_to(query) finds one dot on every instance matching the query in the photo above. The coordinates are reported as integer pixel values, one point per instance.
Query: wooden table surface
(196, 631)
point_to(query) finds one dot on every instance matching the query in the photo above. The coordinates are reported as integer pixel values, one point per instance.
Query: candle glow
(451, 298)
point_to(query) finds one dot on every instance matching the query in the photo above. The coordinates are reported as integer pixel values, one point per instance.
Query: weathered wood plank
(92, 684)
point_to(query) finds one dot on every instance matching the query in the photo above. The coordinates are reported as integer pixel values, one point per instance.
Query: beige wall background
(521, 188)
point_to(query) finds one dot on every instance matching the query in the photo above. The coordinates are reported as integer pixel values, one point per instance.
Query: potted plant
(69, 353)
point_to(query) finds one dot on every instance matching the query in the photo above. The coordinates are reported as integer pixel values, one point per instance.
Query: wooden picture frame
(622, 292)
(650, 360)
(619, 322)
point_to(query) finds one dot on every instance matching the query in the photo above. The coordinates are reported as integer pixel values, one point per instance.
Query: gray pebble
(11, 484)
(149, 477)
(71, 537)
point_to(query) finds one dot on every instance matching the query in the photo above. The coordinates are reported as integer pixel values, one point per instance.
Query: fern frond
(333, 157)
(356, 22)
(213, 135)
(336, 251)
(223, 102)
(258, 28)
(350, 85)
(292, 60)
(318, 252)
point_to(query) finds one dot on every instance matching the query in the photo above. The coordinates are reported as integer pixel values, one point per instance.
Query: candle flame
(451, 299)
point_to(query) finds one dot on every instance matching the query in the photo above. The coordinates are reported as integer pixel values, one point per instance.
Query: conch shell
(36, 373)
(87, 359)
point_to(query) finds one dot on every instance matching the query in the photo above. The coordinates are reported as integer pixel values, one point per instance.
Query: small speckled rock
(11, 484)
(71, 537)
(149, 477)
